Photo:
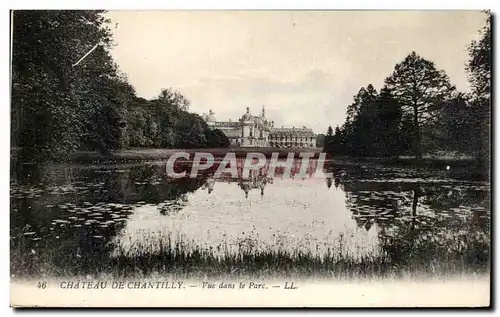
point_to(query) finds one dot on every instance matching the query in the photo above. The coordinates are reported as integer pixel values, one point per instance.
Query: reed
(181, 258)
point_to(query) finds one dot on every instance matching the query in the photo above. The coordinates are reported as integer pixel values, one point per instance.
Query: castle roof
(295, 132)
(232, 133)
(249, 117)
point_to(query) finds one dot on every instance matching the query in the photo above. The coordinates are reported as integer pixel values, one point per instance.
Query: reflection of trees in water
(330, 181)
(255, 180)
(340, 174)
(415, 221)
(57, 225)
(423, 222)
(146, 183)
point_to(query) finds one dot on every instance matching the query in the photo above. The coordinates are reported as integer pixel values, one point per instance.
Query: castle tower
(211, 118)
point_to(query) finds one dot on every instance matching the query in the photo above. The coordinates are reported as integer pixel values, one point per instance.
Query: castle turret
(211, 116)
(247, 115)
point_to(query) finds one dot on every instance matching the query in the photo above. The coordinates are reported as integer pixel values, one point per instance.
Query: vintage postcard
(250, 158)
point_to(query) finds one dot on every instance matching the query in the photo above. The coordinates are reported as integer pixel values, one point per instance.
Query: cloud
(304, 66)
(310, 101)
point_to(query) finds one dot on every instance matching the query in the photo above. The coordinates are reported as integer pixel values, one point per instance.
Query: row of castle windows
(302, 139)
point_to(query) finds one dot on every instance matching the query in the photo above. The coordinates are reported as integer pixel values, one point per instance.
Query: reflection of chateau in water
(259, 178)
(94, 213)
(258, 131)
(254, 181)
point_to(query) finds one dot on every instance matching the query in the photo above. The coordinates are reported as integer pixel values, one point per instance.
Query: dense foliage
(60, 106)
(418, 111)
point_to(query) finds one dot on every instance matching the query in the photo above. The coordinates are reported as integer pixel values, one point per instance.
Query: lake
(365, 220)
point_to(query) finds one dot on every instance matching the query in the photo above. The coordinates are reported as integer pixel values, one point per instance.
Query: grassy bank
(184, 260)
(150, 154)
(141, 155)
(457, 167)
(408, 161)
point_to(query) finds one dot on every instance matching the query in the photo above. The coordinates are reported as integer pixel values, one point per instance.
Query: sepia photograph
(250, 158)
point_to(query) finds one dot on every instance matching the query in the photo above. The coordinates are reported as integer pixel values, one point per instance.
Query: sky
(303, 66)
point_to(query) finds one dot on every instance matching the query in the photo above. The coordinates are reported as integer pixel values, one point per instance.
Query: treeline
(418, 111)
(165, 122)
(59, 106)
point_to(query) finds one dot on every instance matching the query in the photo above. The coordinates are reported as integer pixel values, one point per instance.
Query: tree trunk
(417, 147)
(416, 195)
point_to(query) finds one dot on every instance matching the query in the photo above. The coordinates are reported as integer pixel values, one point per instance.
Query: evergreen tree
(479, 69)
(329, 131)
(420, 89)
(328, 140)
(387, 134)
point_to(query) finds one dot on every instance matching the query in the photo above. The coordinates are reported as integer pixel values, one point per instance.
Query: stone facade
(258, 131)
(292, 138)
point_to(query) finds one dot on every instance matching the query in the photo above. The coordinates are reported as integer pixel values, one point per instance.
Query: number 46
(41, 285)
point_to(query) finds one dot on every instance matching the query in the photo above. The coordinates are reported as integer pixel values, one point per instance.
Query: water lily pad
(60, 221)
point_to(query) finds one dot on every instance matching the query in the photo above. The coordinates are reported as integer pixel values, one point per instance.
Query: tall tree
(386, 130)
(479, 64)
(328, 140)
(366, 122)
(53, 99)
(359, 123)
(337, 145)
(68, 94)
(217, 139)
(455, 127)
(329, 132)
(320, 140)
(479, 69)
(174, 99)
(420, 89)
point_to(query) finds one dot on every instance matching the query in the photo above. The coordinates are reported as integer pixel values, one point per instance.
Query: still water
(77, 211)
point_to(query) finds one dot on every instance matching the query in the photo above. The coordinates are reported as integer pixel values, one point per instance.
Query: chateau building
(258, 131)
(292, 138)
